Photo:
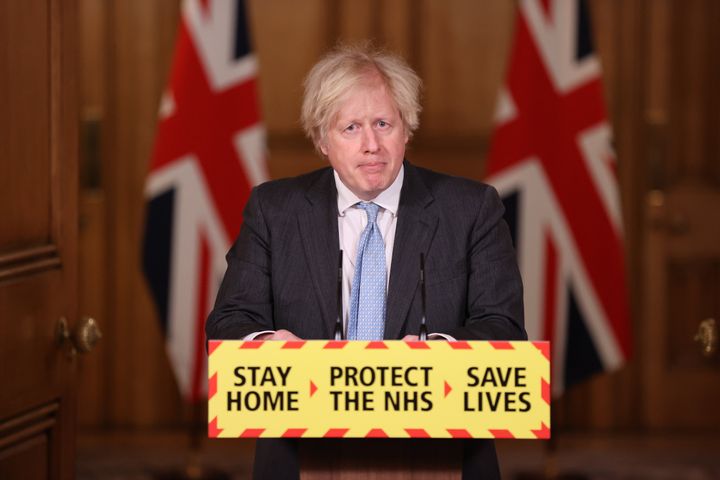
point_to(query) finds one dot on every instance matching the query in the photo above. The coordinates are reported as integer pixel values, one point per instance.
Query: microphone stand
(338, 320)
(423, 328)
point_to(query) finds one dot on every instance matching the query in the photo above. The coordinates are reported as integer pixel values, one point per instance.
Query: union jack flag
(552, 162)
(209, 151)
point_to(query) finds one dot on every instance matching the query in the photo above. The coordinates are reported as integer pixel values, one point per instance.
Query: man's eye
(382, 124)
(351, 128)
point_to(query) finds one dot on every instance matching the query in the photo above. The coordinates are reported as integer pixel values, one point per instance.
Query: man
(360, 109)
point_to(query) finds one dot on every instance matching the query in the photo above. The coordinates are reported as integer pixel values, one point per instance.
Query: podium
(380, 459)
(379, 409)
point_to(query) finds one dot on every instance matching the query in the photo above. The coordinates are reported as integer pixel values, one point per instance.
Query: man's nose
(370, 141)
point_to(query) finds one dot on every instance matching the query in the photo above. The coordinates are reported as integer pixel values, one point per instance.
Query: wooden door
(681, 386)
(683, 291)
(38, 237)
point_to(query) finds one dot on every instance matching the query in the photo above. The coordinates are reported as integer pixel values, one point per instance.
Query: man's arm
(286, 335)
(244, 302)
(494, 294)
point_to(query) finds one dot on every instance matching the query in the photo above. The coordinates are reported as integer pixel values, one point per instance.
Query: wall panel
(141, 390)
(288, 36)
(464, 46)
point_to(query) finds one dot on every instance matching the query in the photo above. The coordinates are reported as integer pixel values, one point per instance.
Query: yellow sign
(322, 388)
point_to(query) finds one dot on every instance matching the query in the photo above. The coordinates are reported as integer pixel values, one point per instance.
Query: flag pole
(194, 468)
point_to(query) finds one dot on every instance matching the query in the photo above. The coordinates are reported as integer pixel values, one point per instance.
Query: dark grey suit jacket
(282, 274)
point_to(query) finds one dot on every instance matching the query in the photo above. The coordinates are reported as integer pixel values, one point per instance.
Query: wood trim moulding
(333, 15)
(29, 260)
(28, 425)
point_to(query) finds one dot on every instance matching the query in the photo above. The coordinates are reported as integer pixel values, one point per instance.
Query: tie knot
(371, 209)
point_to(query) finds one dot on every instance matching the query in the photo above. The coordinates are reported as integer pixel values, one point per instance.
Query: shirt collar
(389, 199)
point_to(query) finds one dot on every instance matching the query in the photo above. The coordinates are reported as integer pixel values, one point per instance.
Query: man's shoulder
(289, 190)
(443, 186)
(460, 201)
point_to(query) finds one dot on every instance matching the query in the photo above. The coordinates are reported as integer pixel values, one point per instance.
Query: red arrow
(313, 388)
(448, 388)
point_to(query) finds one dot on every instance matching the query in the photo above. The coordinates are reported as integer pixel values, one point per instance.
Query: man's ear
(323, 148)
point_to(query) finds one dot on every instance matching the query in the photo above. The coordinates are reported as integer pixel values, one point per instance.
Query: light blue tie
(367, 295)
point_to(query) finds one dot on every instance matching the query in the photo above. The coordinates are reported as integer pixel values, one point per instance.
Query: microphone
(338, 321)
(423, 328)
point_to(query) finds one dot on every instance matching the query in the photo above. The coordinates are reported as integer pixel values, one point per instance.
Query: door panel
(38, 237)
(682, 267)
(25, 106)
(24, 443)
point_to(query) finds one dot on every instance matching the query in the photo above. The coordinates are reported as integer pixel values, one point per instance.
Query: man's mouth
(372, 165)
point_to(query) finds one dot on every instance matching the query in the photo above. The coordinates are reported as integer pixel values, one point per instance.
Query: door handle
(83, 339)
(707, 336)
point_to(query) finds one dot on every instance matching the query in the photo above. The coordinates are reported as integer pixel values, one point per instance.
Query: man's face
(365, 142)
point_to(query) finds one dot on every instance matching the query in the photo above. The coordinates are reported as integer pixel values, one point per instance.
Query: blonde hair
(343, 68)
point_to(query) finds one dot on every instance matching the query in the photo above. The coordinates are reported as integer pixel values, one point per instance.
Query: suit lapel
(319, 231)
(415, 229)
